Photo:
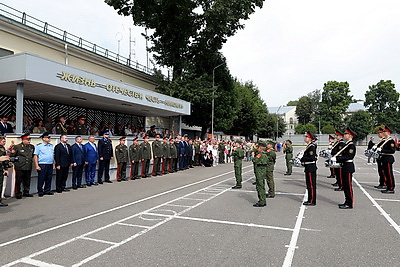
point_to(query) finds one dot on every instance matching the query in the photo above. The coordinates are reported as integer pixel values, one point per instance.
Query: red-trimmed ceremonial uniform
(338, 171)
(309, 161)
(346, 158)
(387, 160)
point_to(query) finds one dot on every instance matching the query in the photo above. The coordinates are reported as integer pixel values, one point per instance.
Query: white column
(19, 110)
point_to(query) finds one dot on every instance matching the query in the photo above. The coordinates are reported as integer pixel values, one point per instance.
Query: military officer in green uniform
(254, 152)
(134, 157)
(157, 155)
(174, 155)
(23, 167)
(165, 155)
(121, 154)
(145, 156)
(61, 126)
(238, 155)
(288, 150)
(260, 168)
(81, 128)
(221, 152)
(270, 169)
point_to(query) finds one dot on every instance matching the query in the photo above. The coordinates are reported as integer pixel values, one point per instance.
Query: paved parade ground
(194, 218)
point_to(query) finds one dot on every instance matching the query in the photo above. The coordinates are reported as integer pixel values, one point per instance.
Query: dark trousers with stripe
(145, 167)
(311, 182)
(339, 176)
(121, 171)
(387, 168)
(134, 170)
(348, 188)
(382, 178)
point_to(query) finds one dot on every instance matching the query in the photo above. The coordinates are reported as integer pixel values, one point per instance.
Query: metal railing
(44, 27)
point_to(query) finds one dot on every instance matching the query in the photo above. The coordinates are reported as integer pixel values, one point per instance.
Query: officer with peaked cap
(386, 151)
(335, 149)
(345, 157)
(44, 160)
(105, 151)
(309, 160)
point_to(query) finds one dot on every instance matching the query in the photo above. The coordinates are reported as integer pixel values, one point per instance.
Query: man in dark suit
(91, 159)
(105, 151)
(78, 162)
(62, 157)
(5, 127)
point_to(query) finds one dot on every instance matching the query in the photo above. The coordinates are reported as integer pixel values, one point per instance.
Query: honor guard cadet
(23, 166)
(145, 156)
(3, 166)
(61, 126)
(157, 155)
(81, 128)
(270, 169)
(332, 143)
(335, 149)
(345, 158)
(260, 161)
(386, 151)
(174, 156)
(121, 154)
(288, 151)
(309, 160)
(166, 156)
(105, 150)
(134, 157)
(238, 155)
(382, 178)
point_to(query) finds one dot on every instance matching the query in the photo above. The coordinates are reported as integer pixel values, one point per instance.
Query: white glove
(374, 147)
(333, 159)
(379, 150)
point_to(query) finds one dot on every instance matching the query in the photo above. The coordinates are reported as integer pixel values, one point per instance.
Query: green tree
(336, 99)
(309, 127)
(292, 103)
(304, 110)
(381, 100)
(361, 122)
(328, 129)
(275, 124)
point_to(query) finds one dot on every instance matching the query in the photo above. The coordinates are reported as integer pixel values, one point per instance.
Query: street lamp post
(212, 101)
(276, 137)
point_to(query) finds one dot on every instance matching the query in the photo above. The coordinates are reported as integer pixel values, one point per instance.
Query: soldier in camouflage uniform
(134, 157)
(23, 167)
(174, 155)
(166, 156)
(81, 128)
(145, 156)
(288, 151)
(238, 155)
(270, 169)
(157, 155)
(260, 165)
(121, 154)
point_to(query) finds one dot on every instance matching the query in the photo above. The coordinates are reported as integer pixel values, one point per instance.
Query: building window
(291, 120)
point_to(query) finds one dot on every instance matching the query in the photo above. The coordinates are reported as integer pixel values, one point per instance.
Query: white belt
(349, 160)
(386, 154)
(310, 162)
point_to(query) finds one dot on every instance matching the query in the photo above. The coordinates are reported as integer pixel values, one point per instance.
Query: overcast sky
(288, 48)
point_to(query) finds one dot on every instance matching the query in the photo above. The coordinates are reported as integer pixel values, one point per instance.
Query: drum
(296, 160)
(326, 153)
(332, 164)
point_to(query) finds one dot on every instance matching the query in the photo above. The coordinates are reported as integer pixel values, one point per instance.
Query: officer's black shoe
(236, 187)
(58, 191)
(19, 196)
(75, 187)
(100, 182)
(338, 189)
(380, 187)
(82, 186)
(66, 190)
(108, 181)
(335, 184)
(287, 174)
(258, 205)
(49, 193)
(345, 206)
(388, 191)
(89, 184)
(254, 183)
(341, 204)
(94, 183)
(40, 195)
(119, 180)
(269, 196)
(28, 195)
(306, 203)
(330, 176)
(3, 204)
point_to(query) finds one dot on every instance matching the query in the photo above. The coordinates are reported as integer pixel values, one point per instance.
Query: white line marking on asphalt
(38, 263)
(225, 222)
(97, 240)
(134, 225)
(176, 205)
(124, 219)
(293, 242)
(383, 212)
(386, 199)
(113, 209)
(196, 199)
